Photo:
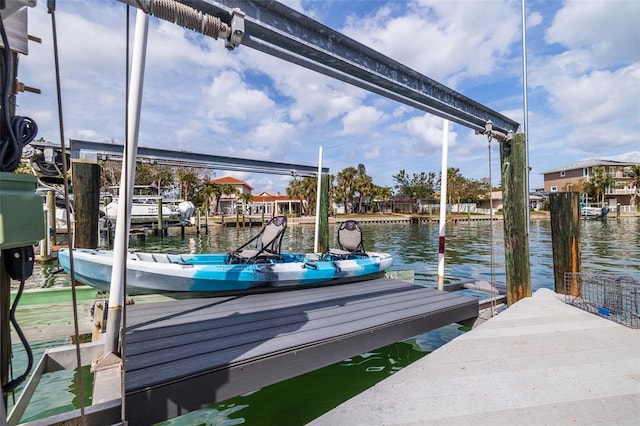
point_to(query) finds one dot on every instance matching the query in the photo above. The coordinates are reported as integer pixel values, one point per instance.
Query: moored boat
(161, 272)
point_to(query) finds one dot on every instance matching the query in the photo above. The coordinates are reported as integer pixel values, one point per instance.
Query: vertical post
(160, 219)
(45, 249)
(516, 236)
(86, 190)
(51, 206)
(318, 197)
(443, 203)
(323, 207)
(5, 331)
(565, 239)
(121, 240)
(206, 221)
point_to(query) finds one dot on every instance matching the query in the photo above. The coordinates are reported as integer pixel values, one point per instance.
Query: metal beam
(108, 151)
(278, 30)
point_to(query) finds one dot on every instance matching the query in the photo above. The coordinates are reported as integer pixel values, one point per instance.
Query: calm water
(612, 247)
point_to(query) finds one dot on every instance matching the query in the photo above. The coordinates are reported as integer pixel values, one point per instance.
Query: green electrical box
(21, 211)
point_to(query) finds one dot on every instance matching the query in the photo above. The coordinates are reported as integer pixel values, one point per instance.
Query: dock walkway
(540, 362)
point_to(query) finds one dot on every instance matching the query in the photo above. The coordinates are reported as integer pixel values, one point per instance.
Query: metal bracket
(503, 138)
(237, 29)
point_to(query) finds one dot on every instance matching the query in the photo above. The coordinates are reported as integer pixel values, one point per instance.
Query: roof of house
(230, 180)
(589, 163)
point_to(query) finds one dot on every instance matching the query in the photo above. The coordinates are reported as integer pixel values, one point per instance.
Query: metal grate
(613, 297)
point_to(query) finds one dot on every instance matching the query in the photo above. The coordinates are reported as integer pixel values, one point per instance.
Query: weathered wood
(323, 233)
(86, 192)
(565, 239)
(160, 230)
(516, 234)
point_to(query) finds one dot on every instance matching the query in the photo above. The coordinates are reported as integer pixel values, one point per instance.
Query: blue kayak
(161, 272)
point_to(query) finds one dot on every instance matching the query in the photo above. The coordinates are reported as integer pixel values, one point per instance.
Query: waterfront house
(228, 202)
(571, 178)
(274, 204)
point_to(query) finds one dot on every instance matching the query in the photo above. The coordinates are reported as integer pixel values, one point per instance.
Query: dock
(182, 355)
(540, 362)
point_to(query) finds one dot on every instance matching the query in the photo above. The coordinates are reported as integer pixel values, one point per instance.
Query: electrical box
(21, 211)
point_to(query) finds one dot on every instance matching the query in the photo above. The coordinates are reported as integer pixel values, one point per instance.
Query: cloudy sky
(583, 62)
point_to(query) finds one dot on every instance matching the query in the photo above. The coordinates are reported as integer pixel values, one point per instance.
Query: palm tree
(382, 193)
(245, 198)
(598, 183)
(295, 189)
(363, 185)
(634, 175)
(228, 189)
(346, 187)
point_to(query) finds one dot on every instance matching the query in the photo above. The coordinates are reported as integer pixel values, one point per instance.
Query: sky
(583, 74)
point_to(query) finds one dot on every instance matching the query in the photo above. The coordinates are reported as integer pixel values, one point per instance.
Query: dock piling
(565, 239)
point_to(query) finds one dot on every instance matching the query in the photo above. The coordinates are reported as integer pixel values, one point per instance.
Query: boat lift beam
(114, 152)
(278, 30)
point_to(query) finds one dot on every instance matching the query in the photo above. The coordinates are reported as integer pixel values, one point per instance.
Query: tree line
(351, 187)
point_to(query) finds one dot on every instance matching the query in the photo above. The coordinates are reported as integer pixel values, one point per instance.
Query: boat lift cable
(51, 8)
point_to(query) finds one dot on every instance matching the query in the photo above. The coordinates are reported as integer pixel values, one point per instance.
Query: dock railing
(613, 297)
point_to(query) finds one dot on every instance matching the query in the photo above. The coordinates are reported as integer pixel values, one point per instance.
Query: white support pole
(319, 187)
(123, 224)
(443, 203)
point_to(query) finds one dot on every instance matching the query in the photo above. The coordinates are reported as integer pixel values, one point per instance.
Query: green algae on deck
(48, 313)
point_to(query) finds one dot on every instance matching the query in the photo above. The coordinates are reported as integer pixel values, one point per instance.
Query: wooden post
(516, 238)
(51, 215)
(160, 219)
(323, 233)
(206, 221)
(565, 239)
(86, 202)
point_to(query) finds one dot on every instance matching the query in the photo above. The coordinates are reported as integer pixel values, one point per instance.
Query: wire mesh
(613, 297)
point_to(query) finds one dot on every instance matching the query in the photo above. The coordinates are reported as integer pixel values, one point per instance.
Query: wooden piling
(516, 235)
(51, 217)
(565, 239)
(160, 224)
(323, 231)
(86, 192)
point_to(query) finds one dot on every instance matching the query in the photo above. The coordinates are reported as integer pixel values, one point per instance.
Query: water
(611, 246)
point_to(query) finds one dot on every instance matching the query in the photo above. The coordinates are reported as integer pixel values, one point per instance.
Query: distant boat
(144, 210)
(592, 212)
(159, 272)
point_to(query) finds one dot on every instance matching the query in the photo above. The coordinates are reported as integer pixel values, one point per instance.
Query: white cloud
(361, 120)
(605, 28)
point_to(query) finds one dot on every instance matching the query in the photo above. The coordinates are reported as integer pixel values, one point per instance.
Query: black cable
(14, 383)
(17, 131)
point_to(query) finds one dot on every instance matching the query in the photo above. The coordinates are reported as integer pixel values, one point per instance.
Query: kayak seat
(263, 247)
(350, 241)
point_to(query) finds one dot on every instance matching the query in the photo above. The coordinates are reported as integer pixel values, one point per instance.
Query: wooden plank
(190, 353)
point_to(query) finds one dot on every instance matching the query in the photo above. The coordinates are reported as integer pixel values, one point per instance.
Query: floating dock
(540, 362)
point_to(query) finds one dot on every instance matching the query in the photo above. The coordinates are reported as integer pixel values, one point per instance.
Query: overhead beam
(108, 151)
(280, 31)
